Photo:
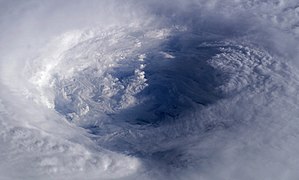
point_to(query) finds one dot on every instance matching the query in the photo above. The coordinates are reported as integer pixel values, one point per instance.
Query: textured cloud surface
(201, 90)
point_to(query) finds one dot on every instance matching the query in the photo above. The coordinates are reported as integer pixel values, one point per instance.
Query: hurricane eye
(150, 90)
